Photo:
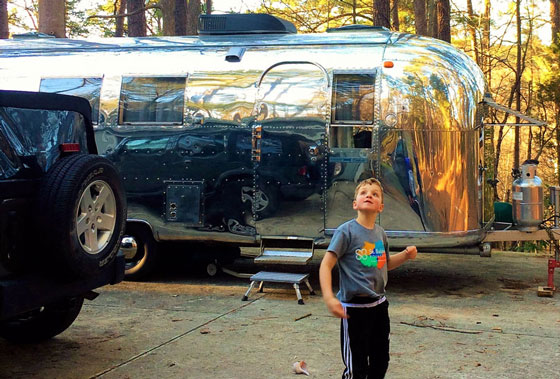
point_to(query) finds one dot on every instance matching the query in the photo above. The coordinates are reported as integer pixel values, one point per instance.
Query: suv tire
(43, 323)
(81, 204)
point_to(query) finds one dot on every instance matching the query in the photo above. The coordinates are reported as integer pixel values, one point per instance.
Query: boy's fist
(411, 252)
(335, 307)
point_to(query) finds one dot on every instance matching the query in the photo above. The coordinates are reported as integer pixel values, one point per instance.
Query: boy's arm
(399, 258)
(325, 277)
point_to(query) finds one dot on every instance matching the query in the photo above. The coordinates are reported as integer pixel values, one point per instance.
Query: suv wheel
(264, 201)
(82, 214)
(42, 323)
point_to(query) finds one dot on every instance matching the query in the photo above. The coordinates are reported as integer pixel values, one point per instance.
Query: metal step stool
(283, 250)
(279, 277)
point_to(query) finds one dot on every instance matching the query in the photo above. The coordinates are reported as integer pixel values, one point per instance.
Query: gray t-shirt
(362, 260)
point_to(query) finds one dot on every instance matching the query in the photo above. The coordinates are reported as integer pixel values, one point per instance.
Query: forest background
(515, 43)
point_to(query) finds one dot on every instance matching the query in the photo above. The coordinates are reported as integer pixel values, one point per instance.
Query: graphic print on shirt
(372, 255)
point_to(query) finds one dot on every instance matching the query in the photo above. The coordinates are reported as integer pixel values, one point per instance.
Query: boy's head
(368, 196)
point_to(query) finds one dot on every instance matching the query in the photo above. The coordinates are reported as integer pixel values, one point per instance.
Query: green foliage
(531, 246)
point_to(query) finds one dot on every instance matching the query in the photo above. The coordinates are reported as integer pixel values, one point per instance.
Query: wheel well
(141, 226)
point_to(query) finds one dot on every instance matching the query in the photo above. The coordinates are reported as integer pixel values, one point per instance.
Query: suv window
(88, 88)
(149, 100)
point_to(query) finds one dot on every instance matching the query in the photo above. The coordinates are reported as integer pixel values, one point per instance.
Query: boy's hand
(411, 252)
(336, 308)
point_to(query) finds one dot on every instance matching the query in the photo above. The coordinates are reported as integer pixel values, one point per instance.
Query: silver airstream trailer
(250, 133)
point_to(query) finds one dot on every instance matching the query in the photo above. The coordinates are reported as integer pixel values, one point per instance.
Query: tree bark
(193, 12)
(485, 43)
(555, 20)
(4, 27)
(136, 21)
(395, 15)
(52, 17)
(120, 8)
(180, 13)
(472, 31)
(432, 18)
(168, 16)
(208, 6)
(420, 17)
(444, 20)
(517, 84)
(382, 13)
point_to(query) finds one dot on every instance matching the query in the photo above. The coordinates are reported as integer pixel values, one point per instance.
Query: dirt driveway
(451, 317)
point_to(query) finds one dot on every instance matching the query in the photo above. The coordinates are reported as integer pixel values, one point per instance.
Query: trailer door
(288, 135)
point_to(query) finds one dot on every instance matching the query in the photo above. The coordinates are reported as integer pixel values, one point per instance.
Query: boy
(360, 248)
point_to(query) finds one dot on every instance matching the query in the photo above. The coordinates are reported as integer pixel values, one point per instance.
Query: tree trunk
(168, 16)
(119, 21)
(382, 13)
(208, 6)
(444, 20)
(137, 20)
(395, 15)
(472, 31)
(52, 17)
(517, 84)
(555, 28)
(555, 20)
(485, 43)
(432, 19)
(4, 28)
(193, 12)
(420, 17)
(180, 12)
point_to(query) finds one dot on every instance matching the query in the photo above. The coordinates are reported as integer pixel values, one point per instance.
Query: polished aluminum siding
(265, 122)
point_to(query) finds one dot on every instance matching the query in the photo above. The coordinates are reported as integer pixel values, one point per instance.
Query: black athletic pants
(364, 339)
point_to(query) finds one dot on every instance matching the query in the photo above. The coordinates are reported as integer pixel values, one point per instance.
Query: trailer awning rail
(530, 121)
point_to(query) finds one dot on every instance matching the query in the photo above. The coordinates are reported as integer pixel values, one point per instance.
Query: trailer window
(353, 98)
(88, 88)
(152, 100)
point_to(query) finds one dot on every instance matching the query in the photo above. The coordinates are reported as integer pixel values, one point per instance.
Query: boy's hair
(368, 181)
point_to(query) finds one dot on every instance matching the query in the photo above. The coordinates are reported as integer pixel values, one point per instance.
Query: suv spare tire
(82, 216)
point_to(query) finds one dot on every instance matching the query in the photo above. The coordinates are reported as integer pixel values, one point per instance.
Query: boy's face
(369, 199)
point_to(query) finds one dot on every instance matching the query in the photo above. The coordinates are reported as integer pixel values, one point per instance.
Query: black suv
(62, 214)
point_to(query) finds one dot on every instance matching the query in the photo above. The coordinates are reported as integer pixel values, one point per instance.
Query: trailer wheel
(140, 251)
(43, 323)
(82, 213)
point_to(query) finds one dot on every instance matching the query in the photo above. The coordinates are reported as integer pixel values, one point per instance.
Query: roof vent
(358, 28)
(251, 23)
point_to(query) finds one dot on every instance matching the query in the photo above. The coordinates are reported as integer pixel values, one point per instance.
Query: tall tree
(136, 18)
(472, 31)
(420, 17)
(382, 13)
(555, 21)
(180, 13)
(555, 29)
(518, 74)
(120, 9)
(443, 20)
(168, 16)
(52, 17)
(485, 42)
(395, 15)
(4, 28)
(193, 12)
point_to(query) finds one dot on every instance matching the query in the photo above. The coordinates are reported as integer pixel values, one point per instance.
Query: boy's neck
(367, 220)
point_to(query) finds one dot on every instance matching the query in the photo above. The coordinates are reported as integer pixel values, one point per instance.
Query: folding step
(286, 250)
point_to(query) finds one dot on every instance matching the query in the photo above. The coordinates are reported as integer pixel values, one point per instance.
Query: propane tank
(527, 194)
